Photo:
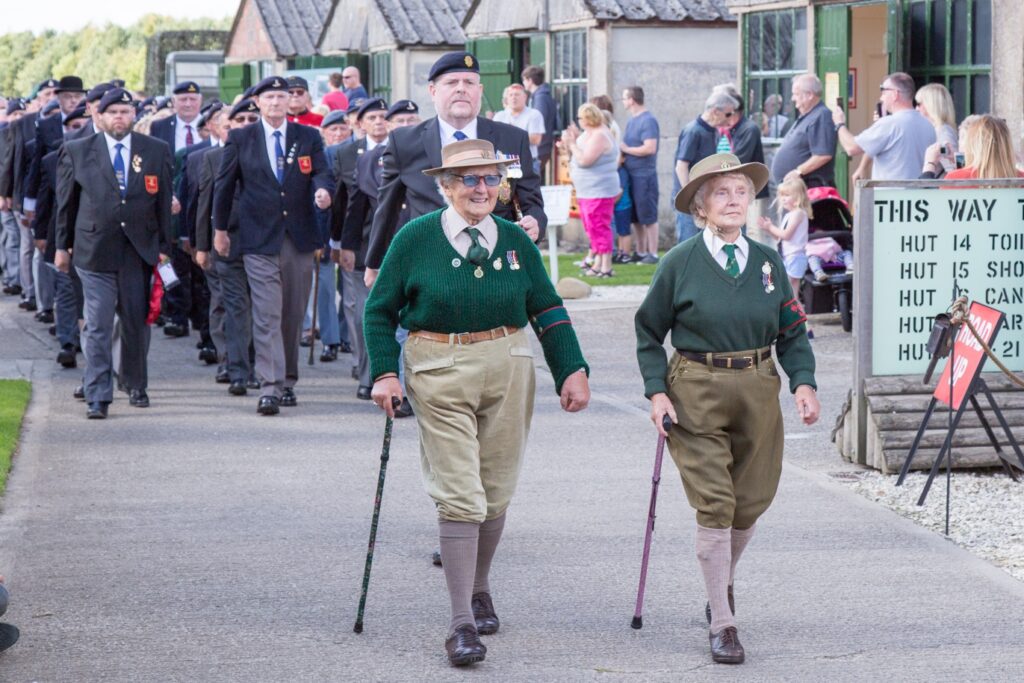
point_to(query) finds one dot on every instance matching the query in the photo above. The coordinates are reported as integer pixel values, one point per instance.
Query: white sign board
(557, 201)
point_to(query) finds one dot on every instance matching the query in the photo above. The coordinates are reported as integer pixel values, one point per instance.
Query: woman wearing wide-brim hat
(726, 301)
(466, 284)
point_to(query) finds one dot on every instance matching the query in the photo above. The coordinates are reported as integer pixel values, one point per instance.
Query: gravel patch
(985, 514)
(633, 293)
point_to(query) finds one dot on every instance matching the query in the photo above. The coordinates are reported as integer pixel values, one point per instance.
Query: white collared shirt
(455, 230)
(371, 145)
(126, 153)
(180, 132)
(715, 243)
(268, 135)
(448, 131)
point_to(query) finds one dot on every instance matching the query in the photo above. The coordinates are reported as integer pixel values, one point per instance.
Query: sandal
(606, 274)
(590, 272)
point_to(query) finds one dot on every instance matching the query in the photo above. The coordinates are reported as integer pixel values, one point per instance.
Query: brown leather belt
(463, 338)
(719, 360)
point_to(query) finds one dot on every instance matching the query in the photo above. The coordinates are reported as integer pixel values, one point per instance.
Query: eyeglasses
(882, 88)
(474, 180)
(247, 119)
(728, 114)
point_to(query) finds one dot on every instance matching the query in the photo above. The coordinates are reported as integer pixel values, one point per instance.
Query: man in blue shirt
(640, 148)
(542, 100)
(809, 148)
(354, 89)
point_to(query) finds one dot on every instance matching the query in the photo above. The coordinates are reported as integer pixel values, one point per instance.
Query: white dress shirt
(268, 134)
(180, 132)
(715, 243)
(455, 230)
(448, 131)
(371, 145)
(126, 153)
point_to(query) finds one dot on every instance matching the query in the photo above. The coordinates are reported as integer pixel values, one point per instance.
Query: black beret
(48, 83)
(70, 84)
(49, 107)
(354, 105)
(97, 91)
(402, 107)
(114, 96)
(208, 112)
(243, 107)
(336, 116)
(371, 104)
(15, 104)
(453, 61)
(248, 92)
(270, 83)
(77, 113)
(117, 82)
(164, 103)
(187, 88)
(298, 82)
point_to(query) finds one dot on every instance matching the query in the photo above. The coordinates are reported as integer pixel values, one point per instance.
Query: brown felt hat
(466, 154)
(716, 165)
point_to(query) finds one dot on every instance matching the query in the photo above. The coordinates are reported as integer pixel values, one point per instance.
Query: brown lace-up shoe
(483, 612)
(464, 647)
(725, 646)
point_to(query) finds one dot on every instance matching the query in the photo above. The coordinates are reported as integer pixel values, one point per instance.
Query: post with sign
(913, 240)
(557, 200)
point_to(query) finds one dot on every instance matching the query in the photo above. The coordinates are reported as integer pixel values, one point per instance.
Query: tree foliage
(95, 53)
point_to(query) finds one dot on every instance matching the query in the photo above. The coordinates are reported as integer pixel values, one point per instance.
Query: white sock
(714, 553)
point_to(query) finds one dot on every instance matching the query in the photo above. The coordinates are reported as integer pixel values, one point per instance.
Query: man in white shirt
(517, 114)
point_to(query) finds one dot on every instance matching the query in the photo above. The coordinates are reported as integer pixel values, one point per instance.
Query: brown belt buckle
(459, 338)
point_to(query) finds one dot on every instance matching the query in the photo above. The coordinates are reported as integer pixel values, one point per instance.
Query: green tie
(477, 254)
(732, 266)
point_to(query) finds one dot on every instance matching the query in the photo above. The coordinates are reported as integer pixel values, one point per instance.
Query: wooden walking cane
(316, 292)
(638, 620)
(384, 455)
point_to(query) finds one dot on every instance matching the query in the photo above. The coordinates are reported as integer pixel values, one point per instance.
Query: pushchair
(832, 218)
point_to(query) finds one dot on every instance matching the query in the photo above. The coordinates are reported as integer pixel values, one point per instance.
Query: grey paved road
(195, 541)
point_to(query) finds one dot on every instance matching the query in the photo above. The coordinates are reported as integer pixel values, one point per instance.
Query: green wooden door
(832, 41)
(894, 37)
(496, 68)
(234, 78)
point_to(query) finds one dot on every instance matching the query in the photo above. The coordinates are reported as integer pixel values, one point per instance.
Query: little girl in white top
(797, 212)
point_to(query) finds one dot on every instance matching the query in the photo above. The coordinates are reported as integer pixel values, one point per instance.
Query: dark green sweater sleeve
(792, 347)
(654, 320)
(381, 316)
(561, 346)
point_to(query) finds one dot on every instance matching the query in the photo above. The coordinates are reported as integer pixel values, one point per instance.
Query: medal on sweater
(766, 278)
(497, 264)
(479, 272)
(513, 259)
(504, 191)
(514, 167)
(456, 262)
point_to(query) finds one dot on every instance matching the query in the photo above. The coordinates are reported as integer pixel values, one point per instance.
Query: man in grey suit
(114, 212)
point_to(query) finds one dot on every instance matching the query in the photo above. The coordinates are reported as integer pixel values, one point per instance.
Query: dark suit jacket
(544, 102)
(45, 223)
(6, 161)
(413, 149)
(267, 209)
(49, 137)
(209, 165)
(95, 221)
(354, 164)
(187, 187)
(23, 137)
(163, 129)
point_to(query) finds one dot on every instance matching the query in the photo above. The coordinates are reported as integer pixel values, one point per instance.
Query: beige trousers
(473, 405)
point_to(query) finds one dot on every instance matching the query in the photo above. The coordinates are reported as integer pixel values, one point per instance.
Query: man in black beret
(92, 103)
(280, 174)
(114, 211)
(456, 90)
(180, 131)
(403, 113)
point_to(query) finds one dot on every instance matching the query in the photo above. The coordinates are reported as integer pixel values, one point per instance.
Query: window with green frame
(569, 71)
(380, 75)
(950, 42)
(775, 50)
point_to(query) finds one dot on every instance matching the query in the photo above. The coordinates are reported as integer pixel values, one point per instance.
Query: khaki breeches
(473, 404)
(728, 443)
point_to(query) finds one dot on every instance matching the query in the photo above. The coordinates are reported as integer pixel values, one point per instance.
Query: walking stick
(376, 517)
(316, 291)
(638, 620)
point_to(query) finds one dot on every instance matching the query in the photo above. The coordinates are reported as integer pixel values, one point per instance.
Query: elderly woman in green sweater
(466, 284)
(726, 301)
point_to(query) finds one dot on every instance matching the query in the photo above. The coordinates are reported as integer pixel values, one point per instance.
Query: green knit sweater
(705, 309)
(425, 284)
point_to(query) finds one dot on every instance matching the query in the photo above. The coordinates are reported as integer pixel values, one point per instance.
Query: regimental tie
(477, 254)
(459, 136)
(279, 155)
(188, 135)
(732, 266)
(120, 172)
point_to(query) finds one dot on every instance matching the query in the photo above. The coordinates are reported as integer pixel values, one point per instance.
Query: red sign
(968, 357)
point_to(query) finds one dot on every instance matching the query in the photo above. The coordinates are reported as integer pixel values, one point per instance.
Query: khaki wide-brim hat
(467, 154)
(716, 165)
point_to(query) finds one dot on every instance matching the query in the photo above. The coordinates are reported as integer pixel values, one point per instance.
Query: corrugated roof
(425, 22)
(661, 10)
(294, 25)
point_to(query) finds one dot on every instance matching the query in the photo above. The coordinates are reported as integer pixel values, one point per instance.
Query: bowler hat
(70, 84)
(716, 165)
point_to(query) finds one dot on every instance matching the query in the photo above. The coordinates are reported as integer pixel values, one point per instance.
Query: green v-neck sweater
(425, 284)
(706, 310)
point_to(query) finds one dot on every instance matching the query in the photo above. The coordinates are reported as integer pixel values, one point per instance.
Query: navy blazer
(93, 218)
(49, 137)
(208, 167)
(187, 187)
(267, 209)
(163, 129)
(44, 225)
(413, 149)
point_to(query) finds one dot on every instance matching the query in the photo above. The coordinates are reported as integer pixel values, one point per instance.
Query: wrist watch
(840, 125)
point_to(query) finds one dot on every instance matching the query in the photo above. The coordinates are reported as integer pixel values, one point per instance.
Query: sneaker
(635, 258)
(820, 276)
(621, 258)
(648, 260)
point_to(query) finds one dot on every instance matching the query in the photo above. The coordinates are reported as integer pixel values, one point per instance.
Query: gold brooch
(137, 163)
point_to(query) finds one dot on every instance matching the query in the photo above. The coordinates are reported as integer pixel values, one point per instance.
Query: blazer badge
(152, 184)
(306, 165)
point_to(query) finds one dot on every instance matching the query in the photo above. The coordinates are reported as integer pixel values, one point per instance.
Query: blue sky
(69, 15)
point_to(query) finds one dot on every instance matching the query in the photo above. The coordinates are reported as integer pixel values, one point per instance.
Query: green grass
(14, 395)
(628, 274)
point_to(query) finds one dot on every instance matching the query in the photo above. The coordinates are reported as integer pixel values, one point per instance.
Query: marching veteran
(726, 301)
(465, 283)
